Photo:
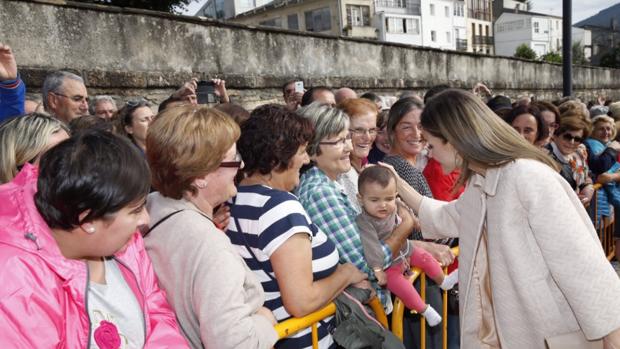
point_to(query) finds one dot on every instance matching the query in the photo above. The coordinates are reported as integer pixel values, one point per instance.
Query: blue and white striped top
(267, 218)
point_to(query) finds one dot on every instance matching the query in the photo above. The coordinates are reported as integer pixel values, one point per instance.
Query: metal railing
(409, 5)
(461, 44)
(294, 325)
(480, 14)
(483, 40)
(604, 225)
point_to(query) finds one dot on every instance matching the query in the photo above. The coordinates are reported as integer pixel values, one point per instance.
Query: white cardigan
(549, 274)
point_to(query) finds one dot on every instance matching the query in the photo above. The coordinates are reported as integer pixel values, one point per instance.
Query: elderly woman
(134, 120)
(24, 139)
(566, 149)
(529, 123)
(603, 162)
(363, 130)
(73, 266)
(217, 299)
(297, 263)
(324, 198)
(522, 241)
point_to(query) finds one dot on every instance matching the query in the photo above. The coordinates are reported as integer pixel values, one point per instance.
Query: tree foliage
(524, 51)
(611, 59)
(172, 6)
(552, 57)
(579, 56)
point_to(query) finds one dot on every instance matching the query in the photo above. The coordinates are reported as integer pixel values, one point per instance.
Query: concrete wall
(140, 53)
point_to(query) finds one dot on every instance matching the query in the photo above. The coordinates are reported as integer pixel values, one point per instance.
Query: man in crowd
(292, 99)
(104, 107)
(322, 94)
(65, 96)
(343, 94)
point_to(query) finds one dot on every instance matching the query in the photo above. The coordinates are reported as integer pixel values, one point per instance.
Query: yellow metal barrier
(399, 309)
(604, 227)
(294, 325)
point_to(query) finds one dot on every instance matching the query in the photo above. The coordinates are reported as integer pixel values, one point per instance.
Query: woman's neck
(270, 180)
(356, 163)
(201, 203)
(409, 157)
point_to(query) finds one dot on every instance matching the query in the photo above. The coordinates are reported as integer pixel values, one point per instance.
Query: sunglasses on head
(568, 137)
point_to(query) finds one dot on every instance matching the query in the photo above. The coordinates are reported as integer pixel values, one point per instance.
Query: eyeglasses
(570, 138)
(76, 98)
(237, 163)
(339, 142)
(361, 131)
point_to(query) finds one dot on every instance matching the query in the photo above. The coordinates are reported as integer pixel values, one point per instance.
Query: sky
(582, 9)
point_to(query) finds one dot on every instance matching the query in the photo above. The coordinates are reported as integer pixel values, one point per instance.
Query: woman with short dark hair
(72, 261)
(134, 120)
(528, 121)
(297, 263)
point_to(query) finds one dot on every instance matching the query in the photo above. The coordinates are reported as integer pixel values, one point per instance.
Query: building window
(448, 37)
(447, 11)
(459, 10)
(487, 30)
(292, 22)
(536, 27)
(432, 9)
(412, 26)
(433, 36)
(318, 20)
(395, 25)
(358, 16)
(274, 22)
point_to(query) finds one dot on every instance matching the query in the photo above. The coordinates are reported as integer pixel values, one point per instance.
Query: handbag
(572, 340)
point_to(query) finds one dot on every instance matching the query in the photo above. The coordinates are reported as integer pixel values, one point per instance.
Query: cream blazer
(549, 274)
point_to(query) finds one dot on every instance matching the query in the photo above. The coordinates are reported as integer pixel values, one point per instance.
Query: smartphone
(205, 93)
(299, 87)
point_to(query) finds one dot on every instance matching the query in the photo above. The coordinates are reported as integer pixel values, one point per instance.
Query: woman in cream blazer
(531, 264)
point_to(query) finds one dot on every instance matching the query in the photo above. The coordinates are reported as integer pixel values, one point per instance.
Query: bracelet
(377, 269)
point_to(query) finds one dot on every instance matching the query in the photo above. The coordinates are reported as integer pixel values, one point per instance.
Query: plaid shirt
(329, 208)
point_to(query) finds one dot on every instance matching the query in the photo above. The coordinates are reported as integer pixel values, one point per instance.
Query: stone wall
(128, 53)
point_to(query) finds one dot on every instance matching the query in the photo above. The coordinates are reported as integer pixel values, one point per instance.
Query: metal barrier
(604, 226)
(399, 309)
(294, 325)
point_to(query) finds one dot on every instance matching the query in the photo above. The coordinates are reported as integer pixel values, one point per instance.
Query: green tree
(579, 57)
(552, 57)
(611, 59)
(172, 6)
(524, 51)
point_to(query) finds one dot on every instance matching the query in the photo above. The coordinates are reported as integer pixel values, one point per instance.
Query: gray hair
(327, 122)
(53, 82)
(99, 99)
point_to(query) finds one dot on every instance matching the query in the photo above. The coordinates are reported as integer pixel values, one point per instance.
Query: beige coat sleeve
(227, 318)
(439, 219)
(572, 251)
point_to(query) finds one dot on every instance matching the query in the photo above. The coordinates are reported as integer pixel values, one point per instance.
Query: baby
(377, 196)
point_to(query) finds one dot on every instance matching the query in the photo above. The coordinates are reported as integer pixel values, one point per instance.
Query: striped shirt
(329, 207)
(267, 218)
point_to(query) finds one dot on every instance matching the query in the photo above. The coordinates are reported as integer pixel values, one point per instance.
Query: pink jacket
(42, 294)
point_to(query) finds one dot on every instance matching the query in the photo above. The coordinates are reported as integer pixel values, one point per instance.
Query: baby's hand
(381, 277)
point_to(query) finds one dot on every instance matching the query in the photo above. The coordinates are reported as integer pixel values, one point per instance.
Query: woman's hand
(262, 311)
(441, 253)
(220, 90)
(606, 177)
(586, 195)
(221, 216)
(355, 275)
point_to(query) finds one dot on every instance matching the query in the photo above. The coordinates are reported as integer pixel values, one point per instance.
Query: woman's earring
(90, 230)
(201, 184)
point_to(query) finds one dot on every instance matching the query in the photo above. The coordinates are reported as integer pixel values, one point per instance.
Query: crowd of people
(202, 226)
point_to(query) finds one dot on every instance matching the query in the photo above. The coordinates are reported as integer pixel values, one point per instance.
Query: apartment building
(542, 33)
(342, 17)
(225, 9)
(398, 21)
(480, 26)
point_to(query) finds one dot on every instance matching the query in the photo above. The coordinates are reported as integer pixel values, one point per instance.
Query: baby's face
(378, 201)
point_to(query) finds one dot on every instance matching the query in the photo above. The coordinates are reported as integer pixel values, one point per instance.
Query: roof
(603, 19)
(528, 13)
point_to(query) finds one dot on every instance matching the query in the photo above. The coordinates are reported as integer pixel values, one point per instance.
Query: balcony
(483, 40)
(461, 44)
(480, 14)
(409, 7)
(361, 32)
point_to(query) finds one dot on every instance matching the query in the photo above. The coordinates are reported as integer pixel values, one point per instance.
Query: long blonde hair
(480, 137)
(23, 139)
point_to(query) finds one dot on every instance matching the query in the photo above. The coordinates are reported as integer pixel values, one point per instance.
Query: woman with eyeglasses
(363, 131)
(134, 120)
(565, 148)
(294, 259)
(325, 200)
(217, 299)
